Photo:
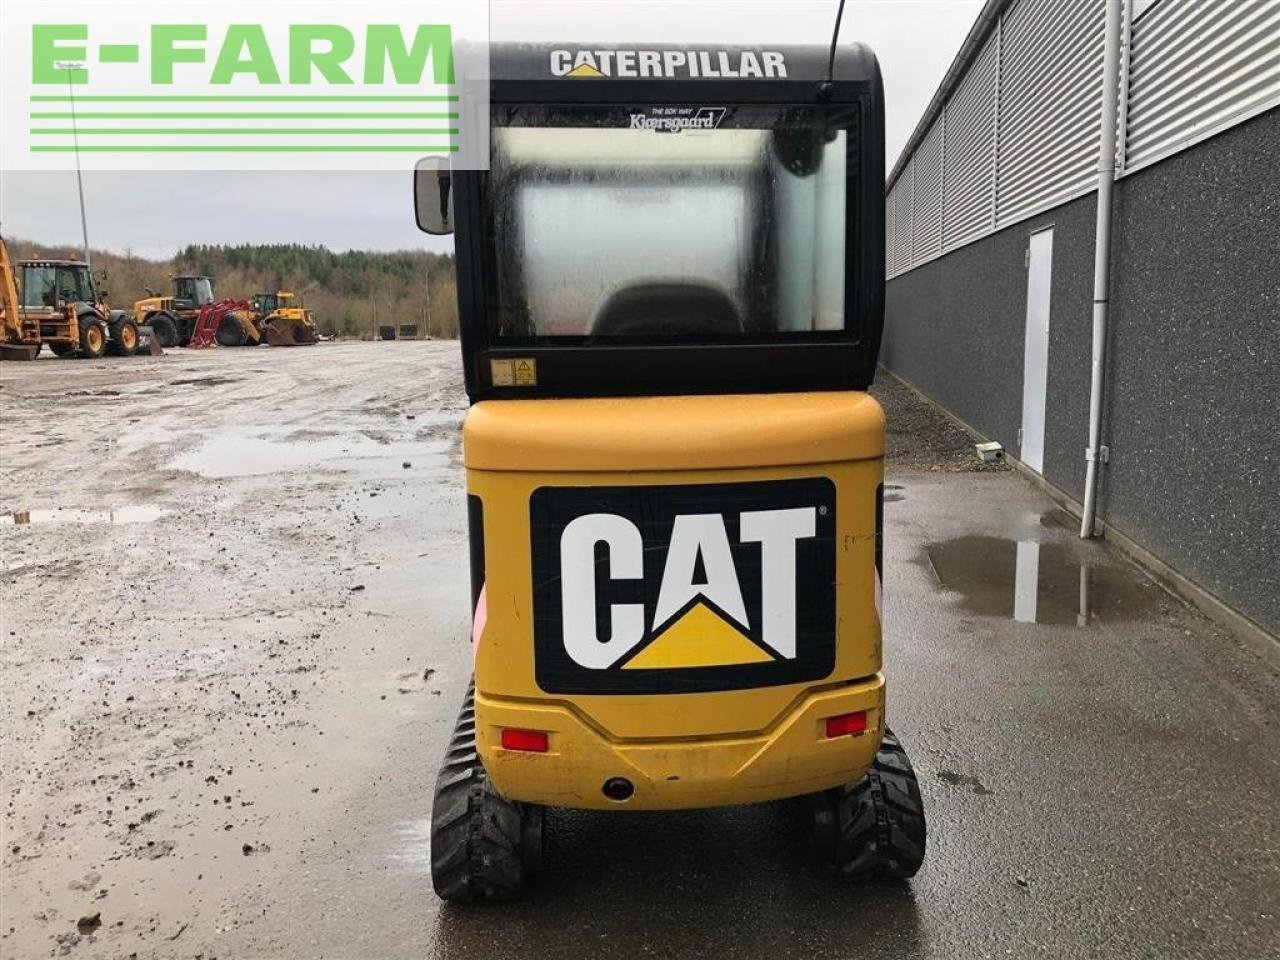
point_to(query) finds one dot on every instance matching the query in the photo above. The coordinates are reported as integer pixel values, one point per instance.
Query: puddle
(205, 381)
(135, 514)
(235, 454)
(1033, 582)
(953, 779)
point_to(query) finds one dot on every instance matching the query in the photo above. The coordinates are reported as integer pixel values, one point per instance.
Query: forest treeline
(350, 293)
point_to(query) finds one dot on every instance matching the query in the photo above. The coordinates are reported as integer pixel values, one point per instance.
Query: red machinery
(212, 316)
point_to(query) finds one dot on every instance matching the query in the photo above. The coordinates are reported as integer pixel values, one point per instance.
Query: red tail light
(847, 724)
(530, 741)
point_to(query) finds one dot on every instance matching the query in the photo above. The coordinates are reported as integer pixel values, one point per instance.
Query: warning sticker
(526, 372)
(521, 372)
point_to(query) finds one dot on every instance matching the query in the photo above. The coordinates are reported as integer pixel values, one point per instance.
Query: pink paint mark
(480, 617)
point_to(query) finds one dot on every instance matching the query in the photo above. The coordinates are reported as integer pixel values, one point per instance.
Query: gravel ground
(919, 438)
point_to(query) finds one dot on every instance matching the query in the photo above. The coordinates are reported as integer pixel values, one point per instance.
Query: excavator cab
(670, 292)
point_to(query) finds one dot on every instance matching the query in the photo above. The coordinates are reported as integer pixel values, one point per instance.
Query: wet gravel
(227, 684)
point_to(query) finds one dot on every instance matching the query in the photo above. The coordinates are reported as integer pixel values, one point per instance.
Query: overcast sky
(155, 214)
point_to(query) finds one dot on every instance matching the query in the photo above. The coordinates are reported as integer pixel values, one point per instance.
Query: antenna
(835, 37)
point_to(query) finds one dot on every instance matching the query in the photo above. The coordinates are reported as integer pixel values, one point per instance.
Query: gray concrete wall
(1192, 412)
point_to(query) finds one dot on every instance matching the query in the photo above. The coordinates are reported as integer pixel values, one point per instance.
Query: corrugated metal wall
(1050, 85)
(926, 208)
(1020, 133)
(1197, 67)
(901, 254)
(970, 168)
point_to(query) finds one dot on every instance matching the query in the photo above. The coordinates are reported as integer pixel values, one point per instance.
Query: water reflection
(1030, 581)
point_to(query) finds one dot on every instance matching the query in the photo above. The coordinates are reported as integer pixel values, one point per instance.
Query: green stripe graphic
(38, 115)
(277, 98)
(250, 148)
(236, 131)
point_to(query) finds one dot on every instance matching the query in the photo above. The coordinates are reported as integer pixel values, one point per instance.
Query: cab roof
(696, 62)
(51, 262)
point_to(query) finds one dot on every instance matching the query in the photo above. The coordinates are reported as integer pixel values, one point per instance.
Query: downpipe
(1102, 258)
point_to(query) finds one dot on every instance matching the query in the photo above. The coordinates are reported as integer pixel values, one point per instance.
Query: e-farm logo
(649, 589)
(235, 85)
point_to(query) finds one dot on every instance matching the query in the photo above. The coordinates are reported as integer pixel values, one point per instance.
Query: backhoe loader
(58, 302)
(671, 293)
(19, 340)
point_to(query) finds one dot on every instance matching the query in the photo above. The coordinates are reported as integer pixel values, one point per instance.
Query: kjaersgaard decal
(669, 64)
(675, 119)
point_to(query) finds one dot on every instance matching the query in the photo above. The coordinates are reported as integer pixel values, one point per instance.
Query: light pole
(69, 66)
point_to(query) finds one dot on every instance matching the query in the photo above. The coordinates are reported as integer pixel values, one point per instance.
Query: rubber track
(475, 834)
(880, 819)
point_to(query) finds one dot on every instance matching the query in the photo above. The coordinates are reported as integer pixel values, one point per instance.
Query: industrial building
(994, 267)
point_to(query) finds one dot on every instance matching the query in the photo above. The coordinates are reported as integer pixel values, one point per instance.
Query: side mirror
(433, 195)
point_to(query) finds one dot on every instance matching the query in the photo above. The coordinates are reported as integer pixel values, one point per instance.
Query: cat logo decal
(674, 588)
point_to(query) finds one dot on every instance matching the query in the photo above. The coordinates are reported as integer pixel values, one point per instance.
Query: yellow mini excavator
(671, 291)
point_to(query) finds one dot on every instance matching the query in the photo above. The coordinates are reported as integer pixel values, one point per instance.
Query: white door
(1035, 362)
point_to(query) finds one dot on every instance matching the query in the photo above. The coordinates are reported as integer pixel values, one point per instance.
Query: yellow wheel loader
(173, 318)
(281, 322)
(671, 284)
(269, 318)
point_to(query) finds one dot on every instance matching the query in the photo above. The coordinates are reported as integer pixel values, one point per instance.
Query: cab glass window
(74, 285)
(655, 223)
(196, 289)
(39, 287)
